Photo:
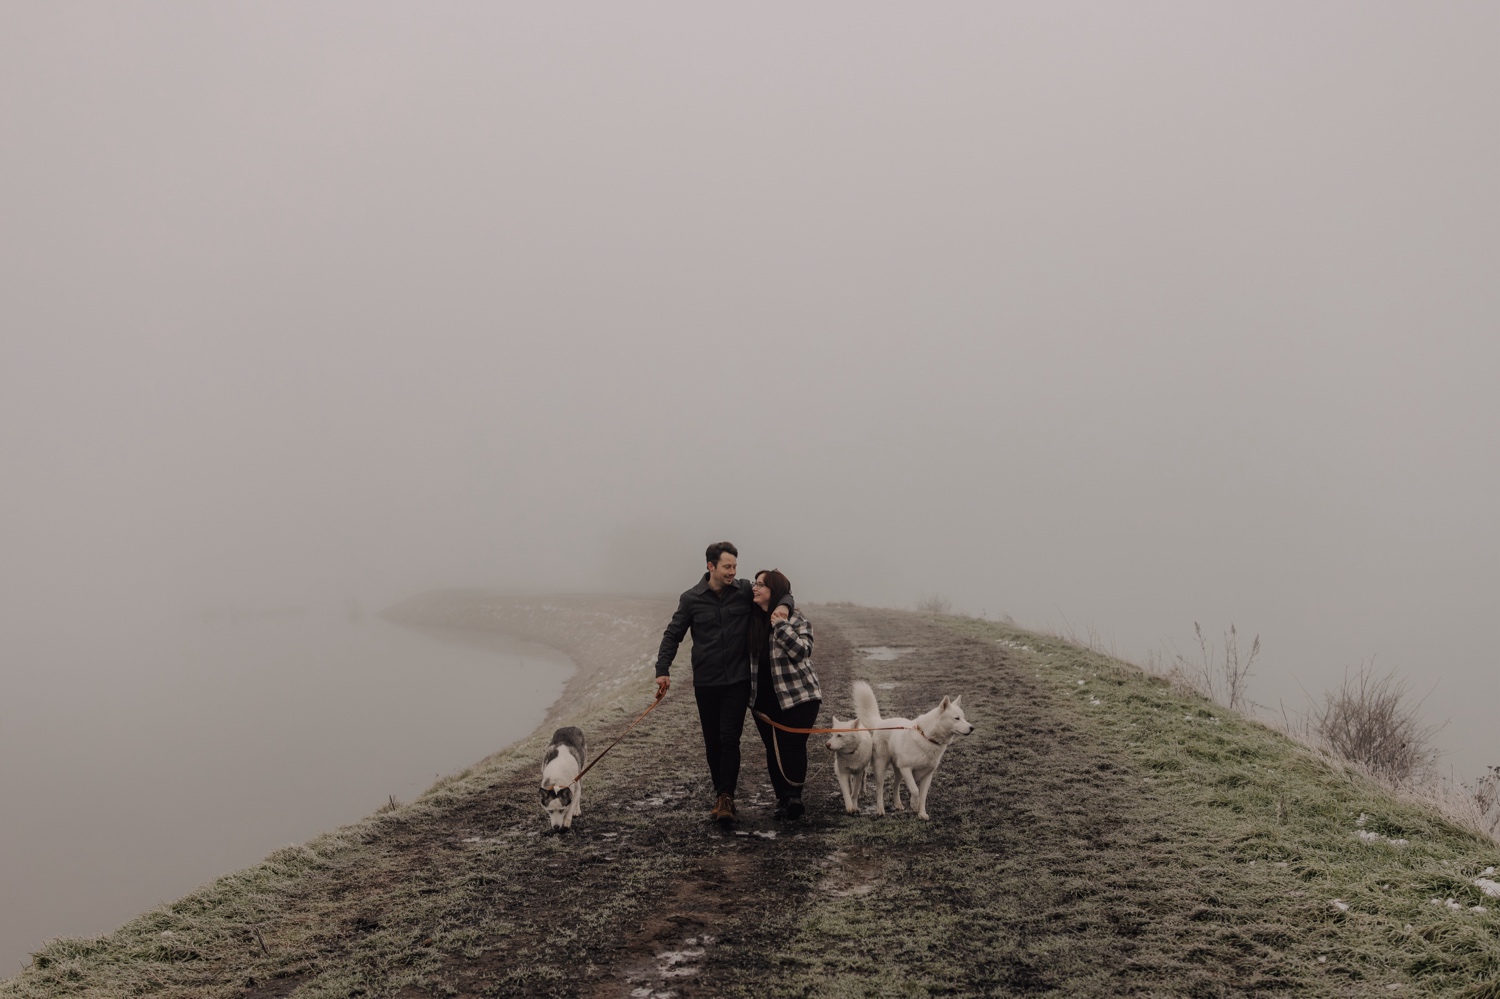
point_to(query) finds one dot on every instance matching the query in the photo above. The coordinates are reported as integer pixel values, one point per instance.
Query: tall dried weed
(1221, 676)
(1486, 798)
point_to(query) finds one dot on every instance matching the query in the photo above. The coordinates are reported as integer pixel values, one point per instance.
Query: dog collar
(926, 736)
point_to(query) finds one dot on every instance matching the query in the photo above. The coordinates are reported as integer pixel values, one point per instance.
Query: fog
(1104, 316)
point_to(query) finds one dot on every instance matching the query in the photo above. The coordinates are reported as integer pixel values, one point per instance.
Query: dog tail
(866, 708)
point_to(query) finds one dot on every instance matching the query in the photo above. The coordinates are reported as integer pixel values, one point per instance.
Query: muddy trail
(647, 898)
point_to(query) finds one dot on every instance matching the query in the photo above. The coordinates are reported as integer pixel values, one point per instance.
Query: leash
(776, 743)
(825, 731)
(660, 693)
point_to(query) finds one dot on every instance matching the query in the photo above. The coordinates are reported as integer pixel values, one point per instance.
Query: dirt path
(648, 899)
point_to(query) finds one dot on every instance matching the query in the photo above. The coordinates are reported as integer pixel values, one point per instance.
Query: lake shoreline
(603, 635)
(230, 738)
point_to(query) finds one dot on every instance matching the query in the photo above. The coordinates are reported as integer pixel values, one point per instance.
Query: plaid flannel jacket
(792, 676)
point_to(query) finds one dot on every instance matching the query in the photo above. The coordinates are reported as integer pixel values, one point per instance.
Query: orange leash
(776, 743)
(660, 693)
(825, 731)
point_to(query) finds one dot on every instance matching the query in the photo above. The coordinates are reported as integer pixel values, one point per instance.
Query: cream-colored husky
(915, 750)
(852, 752)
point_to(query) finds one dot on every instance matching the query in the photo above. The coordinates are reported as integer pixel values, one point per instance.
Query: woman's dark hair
(758, 634)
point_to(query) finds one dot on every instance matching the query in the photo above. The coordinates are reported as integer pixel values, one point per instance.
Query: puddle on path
(683, 961)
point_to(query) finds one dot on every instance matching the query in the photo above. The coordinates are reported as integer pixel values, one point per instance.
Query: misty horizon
(1106, 317)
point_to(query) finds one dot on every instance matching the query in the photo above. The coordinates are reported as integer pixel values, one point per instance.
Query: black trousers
(721, 712)
(792, 746)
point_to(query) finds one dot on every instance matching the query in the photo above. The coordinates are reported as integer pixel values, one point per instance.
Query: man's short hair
(719, 548)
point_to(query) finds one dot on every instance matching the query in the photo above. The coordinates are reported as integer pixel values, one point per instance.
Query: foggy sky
(1112, 316)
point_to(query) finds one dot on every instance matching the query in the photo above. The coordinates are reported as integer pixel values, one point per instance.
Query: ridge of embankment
(1100, 834)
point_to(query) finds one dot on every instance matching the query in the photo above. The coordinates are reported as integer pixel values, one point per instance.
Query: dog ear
(944, 705)
(957, 699)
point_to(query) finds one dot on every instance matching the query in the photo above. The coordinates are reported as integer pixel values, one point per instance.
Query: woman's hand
(779, 614)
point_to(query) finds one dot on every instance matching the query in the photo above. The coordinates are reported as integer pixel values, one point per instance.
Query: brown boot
(723, 812)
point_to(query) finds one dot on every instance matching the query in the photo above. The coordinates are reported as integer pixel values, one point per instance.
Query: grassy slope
(1128, 846)
(1173, 875)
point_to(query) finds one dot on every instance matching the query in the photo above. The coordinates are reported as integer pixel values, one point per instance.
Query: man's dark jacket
(718, 622)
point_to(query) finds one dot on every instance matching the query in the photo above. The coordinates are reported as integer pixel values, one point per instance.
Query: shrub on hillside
(1373, 721)
(934, 603)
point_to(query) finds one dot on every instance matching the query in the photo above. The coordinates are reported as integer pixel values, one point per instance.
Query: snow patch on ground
(659, 800)
(884, 653)
(1455, 905)
(1369, 836)
(679, 963)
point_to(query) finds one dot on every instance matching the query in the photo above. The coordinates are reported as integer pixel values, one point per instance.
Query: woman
(784, 687)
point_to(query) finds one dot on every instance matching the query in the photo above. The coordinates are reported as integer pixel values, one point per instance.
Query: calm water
(139, 760)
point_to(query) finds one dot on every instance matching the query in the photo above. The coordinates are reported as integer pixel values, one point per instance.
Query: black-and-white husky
(562, 797)
(914, 751)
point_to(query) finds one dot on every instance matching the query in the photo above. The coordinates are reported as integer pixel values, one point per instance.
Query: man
(717, 612)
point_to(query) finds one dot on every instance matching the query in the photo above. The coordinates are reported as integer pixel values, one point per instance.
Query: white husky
(562, 799)
(915, 751)
(852, 752)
